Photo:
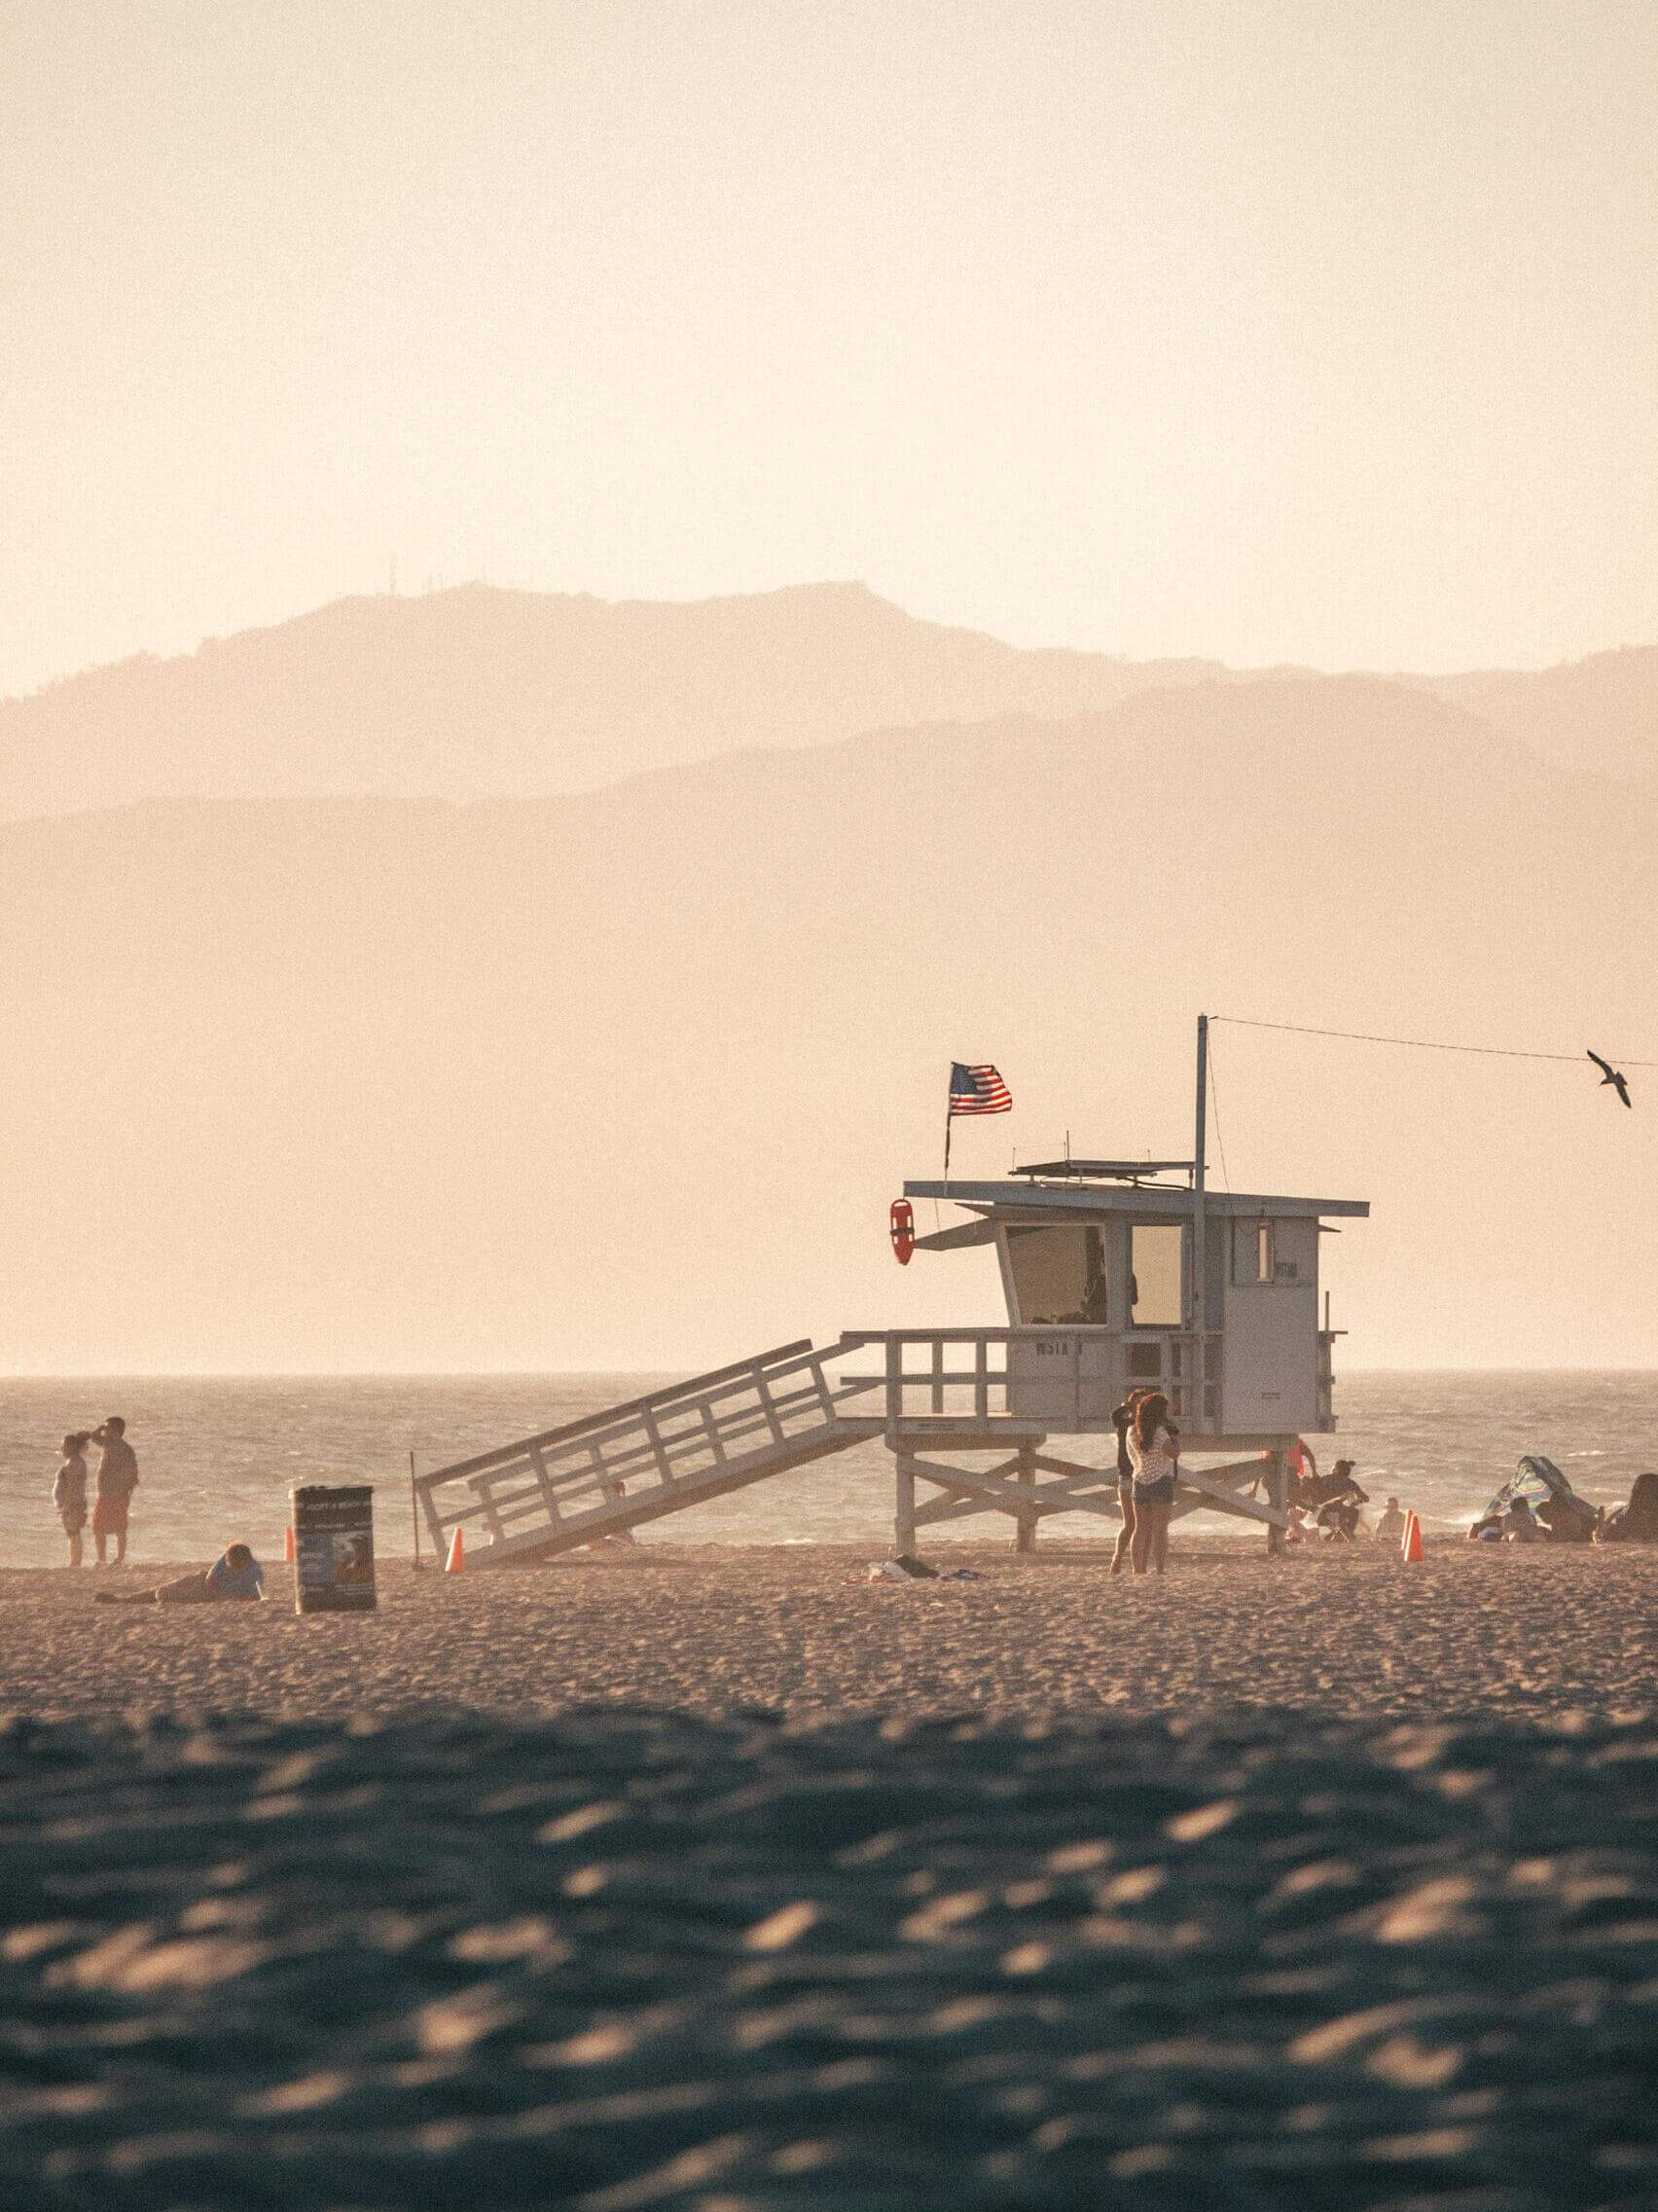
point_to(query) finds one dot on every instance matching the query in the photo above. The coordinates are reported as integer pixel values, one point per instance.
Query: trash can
(334, 1547)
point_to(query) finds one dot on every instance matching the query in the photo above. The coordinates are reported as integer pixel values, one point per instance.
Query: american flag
(977, 1090)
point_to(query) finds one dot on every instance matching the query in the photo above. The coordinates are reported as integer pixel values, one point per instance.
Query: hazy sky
(1273, 331)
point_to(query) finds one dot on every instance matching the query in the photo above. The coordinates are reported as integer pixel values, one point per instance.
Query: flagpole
(949, 1119)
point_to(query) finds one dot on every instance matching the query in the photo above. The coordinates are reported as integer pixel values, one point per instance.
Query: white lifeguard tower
(1110, 1283)
(1116, 1273)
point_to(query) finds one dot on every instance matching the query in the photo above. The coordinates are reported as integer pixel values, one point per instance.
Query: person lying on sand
(238, 1575)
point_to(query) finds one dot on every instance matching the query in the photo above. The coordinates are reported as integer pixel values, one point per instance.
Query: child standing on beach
(69, 1492)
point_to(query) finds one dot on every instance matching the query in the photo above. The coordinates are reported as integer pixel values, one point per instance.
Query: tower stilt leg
(1278, 1494)
(1025, 1521)
(904, 1515)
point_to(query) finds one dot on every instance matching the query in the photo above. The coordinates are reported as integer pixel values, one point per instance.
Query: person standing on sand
(1121, 1416)
(69, 1492)
(1154, 1453)
(117, 1480)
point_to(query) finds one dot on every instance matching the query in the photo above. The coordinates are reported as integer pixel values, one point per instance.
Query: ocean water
(218, 1454)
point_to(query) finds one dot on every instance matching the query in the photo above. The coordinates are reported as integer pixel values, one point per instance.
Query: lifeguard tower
(1116, 1274)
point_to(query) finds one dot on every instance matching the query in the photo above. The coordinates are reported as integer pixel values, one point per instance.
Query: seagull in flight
(1612, 1075)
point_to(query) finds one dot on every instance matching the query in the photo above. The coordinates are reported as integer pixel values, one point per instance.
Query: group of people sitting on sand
(1522, 1522)
(1515, 1524)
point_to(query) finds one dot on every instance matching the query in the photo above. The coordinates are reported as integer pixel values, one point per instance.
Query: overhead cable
(1422, 1043)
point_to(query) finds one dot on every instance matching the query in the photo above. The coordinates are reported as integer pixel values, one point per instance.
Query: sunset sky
(1323, 333)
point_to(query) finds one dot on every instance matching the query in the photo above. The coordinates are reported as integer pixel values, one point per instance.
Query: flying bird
(1612, 1075)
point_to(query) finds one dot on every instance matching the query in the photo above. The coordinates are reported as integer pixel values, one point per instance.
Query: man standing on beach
(117, 1480)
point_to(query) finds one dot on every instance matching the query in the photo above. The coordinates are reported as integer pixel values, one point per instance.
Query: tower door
(1270, 1375)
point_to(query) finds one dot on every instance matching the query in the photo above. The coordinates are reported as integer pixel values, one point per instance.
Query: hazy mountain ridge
(479, 691)
(627, 1078)
(1600, 713)
(482, 692)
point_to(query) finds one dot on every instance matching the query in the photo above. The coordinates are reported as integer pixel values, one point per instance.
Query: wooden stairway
(649, 1457)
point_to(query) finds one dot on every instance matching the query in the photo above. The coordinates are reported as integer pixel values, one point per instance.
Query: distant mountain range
(484, 693)
(1601, 713)
(627, 1078)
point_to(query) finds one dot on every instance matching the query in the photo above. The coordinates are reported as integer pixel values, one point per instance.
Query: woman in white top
(1154, 1454)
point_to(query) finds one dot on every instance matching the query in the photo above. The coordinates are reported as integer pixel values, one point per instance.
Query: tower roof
(1082, 1200)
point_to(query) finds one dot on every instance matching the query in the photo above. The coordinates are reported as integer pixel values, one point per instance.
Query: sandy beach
(1521, 1633)
(729, 1881)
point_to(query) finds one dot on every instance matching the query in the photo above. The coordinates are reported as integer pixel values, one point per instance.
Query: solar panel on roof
(1096, 1171)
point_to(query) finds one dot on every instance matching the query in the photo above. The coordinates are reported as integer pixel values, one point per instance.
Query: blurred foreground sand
(894, 1944)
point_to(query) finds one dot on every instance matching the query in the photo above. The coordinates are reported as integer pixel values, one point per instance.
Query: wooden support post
(543, 1482)
(604, 1480)
(1278, 1494)
(434, 1519)
(1024, 1521)
(485, 1494)
(762, 1391)
(904, 1517)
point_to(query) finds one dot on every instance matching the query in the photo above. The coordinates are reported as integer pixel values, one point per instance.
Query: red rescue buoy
(903, 1230)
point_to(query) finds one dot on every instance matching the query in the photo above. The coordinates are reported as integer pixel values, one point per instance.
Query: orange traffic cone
(288, 1541)
(1413, 1539)
(455, 1563)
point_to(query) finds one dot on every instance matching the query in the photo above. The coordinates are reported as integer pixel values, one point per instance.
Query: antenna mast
(1200, 1253)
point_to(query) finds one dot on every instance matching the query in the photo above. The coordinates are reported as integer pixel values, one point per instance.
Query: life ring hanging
(902, 1230)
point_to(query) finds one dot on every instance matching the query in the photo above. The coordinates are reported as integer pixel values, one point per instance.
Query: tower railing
(1065, 1378)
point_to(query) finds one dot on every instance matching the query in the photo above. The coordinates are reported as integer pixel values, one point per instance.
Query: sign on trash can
(334, 1547)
